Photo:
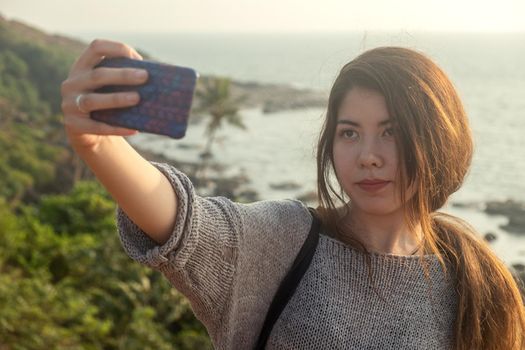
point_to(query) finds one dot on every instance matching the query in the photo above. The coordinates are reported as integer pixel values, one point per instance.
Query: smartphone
(165, 98)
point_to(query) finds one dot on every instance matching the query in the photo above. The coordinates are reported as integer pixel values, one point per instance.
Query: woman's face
(365, 153)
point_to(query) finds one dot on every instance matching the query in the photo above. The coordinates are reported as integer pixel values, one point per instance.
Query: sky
(267, 16)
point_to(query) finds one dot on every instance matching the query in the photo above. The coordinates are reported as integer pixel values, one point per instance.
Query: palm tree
(215, 99)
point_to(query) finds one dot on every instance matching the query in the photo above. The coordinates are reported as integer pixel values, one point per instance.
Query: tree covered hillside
(65, 282)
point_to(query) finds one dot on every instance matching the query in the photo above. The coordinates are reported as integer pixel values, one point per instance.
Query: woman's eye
(348, 134)
(389, 132)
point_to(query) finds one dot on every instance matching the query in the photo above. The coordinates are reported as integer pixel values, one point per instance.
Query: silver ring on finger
(78, 101)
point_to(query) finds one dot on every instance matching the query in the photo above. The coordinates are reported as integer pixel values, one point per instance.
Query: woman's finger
(100, 48)
(103, 76)
(94, 101)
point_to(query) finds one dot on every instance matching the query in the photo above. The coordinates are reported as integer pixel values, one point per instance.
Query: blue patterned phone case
(165, 98)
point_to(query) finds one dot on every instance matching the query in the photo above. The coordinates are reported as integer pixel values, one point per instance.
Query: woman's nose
(370, 156)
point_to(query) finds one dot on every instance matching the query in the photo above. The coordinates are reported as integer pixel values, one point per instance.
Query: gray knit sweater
(229, 258)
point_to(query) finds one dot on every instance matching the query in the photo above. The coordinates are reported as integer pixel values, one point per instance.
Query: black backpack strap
(290, 281)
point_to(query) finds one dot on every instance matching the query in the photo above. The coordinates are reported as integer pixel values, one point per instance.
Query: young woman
(389, 271)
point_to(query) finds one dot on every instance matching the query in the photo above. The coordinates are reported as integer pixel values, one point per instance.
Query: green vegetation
(65, 281)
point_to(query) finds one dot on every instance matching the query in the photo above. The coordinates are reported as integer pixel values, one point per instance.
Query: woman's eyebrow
(350, 122)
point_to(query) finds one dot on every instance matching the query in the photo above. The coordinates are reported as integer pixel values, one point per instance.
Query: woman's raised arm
(139, 188)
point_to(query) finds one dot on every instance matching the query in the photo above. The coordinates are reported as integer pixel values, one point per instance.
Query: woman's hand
(83, 132)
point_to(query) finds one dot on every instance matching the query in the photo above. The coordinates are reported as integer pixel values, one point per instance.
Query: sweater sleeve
(210, 237)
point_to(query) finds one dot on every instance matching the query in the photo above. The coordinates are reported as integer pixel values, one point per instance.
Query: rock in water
(513, 210)
(489, 237)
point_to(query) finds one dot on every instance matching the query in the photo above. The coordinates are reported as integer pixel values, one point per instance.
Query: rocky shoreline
(270, 98)
(234, 187)
(513, 210)
(207, 177)
(209, 180)
(273, 98)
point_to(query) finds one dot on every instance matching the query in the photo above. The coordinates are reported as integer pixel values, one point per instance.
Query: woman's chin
(379, 209)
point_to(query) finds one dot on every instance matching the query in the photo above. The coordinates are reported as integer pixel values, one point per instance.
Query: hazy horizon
(272, 16)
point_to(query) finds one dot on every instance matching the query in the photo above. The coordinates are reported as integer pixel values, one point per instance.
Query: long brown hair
(435, 149)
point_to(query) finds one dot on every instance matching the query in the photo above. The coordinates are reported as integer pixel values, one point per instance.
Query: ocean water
(487, 69)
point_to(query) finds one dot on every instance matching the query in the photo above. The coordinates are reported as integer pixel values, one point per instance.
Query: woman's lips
(372, 186)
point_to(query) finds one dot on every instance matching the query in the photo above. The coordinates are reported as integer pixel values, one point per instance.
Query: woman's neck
(381, 233)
